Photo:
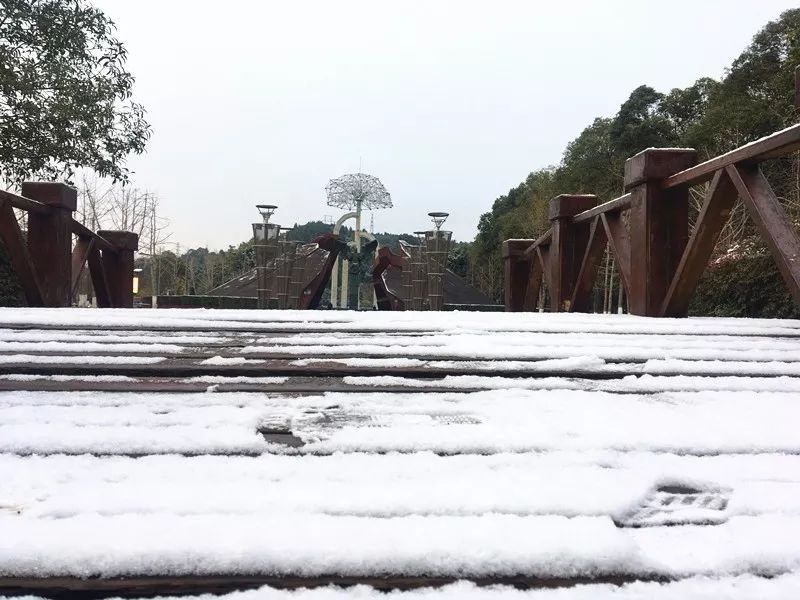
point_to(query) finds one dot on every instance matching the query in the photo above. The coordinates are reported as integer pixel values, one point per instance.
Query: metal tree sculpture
(355, 192)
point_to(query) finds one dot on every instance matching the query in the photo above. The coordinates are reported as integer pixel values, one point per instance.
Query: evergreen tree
(65, 96)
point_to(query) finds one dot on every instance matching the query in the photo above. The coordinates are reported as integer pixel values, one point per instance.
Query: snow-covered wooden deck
(146, 452)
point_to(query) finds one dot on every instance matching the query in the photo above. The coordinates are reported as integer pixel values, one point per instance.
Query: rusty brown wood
(615, 205)
(311, 295)
(79, 588)
(293, 387)
(84, 232)
(714, 214)
(79, 255)
(18, 255)
(23, 203)
(118, 266)
(185, 367)
(50, 239)
(97, 272)
(659, 225)
(534, 285)
(568, 245)
(581, 296)
(516, 269)
(771, 146)
(542, 240)
(771, 220)
(620, 244)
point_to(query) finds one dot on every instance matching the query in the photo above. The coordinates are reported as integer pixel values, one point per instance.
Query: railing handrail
(540, 241)
(23, 203)
(616, 204)
(660, 260)
(777, 144)
(82, 231)
(772, 146)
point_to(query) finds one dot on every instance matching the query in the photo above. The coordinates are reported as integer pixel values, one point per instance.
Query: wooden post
(516, 272)
(118, 266)
(50, 239)
(568, 246)
(659, 225)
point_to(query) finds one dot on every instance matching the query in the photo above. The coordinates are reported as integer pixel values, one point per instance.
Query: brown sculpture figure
(385, 259)
(312, 293)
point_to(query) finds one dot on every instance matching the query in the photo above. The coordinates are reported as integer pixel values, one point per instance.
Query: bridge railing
(44, 259)
(660, 262)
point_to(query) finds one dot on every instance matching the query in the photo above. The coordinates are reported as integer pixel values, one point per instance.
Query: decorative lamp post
(437, 248)
(265, 243)
(419, 274)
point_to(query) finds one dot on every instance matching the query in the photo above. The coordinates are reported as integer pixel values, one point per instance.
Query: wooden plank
(99, 280)
(778, 144)
(615, 205)
(772, 222)
(620, 244)
(82, 231)
(713, 216)
(79, 255)
(293, 387)
(143, 586)
(598, 239)
(431, 369)
(23, 203)
(19, 256)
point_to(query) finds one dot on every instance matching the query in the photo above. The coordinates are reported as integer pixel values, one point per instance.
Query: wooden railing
(659, 261)
(44, 260)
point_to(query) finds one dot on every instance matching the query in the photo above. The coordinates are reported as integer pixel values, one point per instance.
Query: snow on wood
(521, 446)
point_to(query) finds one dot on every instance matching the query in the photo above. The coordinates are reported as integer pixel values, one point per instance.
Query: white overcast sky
(450, 104)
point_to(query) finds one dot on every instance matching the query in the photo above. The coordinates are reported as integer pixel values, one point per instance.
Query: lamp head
(266, 211)
(438, 219)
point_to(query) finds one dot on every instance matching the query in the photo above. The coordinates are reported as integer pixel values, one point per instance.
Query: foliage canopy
(65, 96)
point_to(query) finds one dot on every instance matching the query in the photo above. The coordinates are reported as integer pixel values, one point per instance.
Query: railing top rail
(540, 241)
(82, 231)
(778, 144)
(620, 203)
(23, 203)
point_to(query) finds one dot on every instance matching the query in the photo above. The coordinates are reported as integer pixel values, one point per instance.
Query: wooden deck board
(332, 398)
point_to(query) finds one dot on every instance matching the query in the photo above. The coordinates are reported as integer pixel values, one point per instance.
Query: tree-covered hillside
(753, 99)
